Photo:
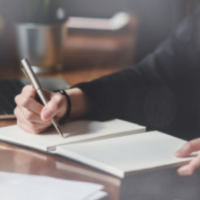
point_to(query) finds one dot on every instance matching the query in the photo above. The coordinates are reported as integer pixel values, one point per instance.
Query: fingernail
(46, 114)
(179, 152)
(182, 152)
(185, 171)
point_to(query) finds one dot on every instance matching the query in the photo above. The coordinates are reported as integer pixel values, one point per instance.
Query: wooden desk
(160, 184)
(21, 160)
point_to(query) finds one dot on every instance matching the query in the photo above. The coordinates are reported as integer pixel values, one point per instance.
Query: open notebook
(76, 131)
(112, 146)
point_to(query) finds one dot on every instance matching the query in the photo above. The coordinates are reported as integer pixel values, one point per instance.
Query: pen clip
(24, 71)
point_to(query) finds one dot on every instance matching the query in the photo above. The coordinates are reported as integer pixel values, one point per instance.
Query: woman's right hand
(32, 116)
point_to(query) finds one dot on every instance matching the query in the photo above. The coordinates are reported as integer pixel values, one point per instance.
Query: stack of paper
(23, 187)
(125, 155)
(116, 146)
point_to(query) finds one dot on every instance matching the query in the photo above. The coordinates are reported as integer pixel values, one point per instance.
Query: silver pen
(28, 71)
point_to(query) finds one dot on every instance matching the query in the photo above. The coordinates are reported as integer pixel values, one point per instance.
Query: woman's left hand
(186, 150)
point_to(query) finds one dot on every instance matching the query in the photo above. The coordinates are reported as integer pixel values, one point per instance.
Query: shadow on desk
(163, 184)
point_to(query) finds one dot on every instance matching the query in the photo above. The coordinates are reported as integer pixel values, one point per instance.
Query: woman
(161, 92)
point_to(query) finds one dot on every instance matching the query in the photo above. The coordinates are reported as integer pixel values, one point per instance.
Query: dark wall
(157, 18)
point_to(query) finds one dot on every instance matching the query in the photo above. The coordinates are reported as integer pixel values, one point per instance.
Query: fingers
(32, 125)
(188, 148)
(28, 112)
(29, 115)
(50, 110)
(29, 91)
(32, 128)
(57, 106)
(189, 169)
(34, 117)
(27, 100)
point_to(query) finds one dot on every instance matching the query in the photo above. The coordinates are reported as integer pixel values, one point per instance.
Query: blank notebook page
(127, 154)
(76, 131)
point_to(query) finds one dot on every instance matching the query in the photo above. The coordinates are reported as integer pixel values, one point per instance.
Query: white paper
(30, 187)
(123, 155)
(78, 131)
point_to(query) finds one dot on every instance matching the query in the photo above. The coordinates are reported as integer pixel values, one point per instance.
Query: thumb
(49, 111)
(188, 148)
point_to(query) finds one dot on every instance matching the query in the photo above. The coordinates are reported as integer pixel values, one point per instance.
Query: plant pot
(42, 45)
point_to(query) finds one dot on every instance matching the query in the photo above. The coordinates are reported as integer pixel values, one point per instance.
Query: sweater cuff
(91, 90)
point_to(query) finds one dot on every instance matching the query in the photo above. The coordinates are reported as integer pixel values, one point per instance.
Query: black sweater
(161, 92)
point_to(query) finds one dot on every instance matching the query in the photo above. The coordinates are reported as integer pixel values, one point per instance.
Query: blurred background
(147, 25)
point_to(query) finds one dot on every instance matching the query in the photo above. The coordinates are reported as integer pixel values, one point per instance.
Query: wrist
(80, 104)
(68, 102)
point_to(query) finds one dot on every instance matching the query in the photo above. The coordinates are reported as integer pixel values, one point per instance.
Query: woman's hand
(186, 150)
(32, 116)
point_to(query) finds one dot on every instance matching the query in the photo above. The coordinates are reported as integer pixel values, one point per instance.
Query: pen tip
(59, 131)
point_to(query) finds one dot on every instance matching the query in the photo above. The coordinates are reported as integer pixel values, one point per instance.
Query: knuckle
(31, 89)
(17, 99)
(33, 128)
(28, 91)
(24, 101)
(58, 97)
(29, 116)
(26, 88)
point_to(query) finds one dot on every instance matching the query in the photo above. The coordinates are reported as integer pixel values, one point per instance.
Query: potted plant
(40, 31)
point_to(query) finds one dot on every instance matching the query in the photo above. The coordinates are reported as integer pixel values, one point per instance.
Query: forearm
(80, 104)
